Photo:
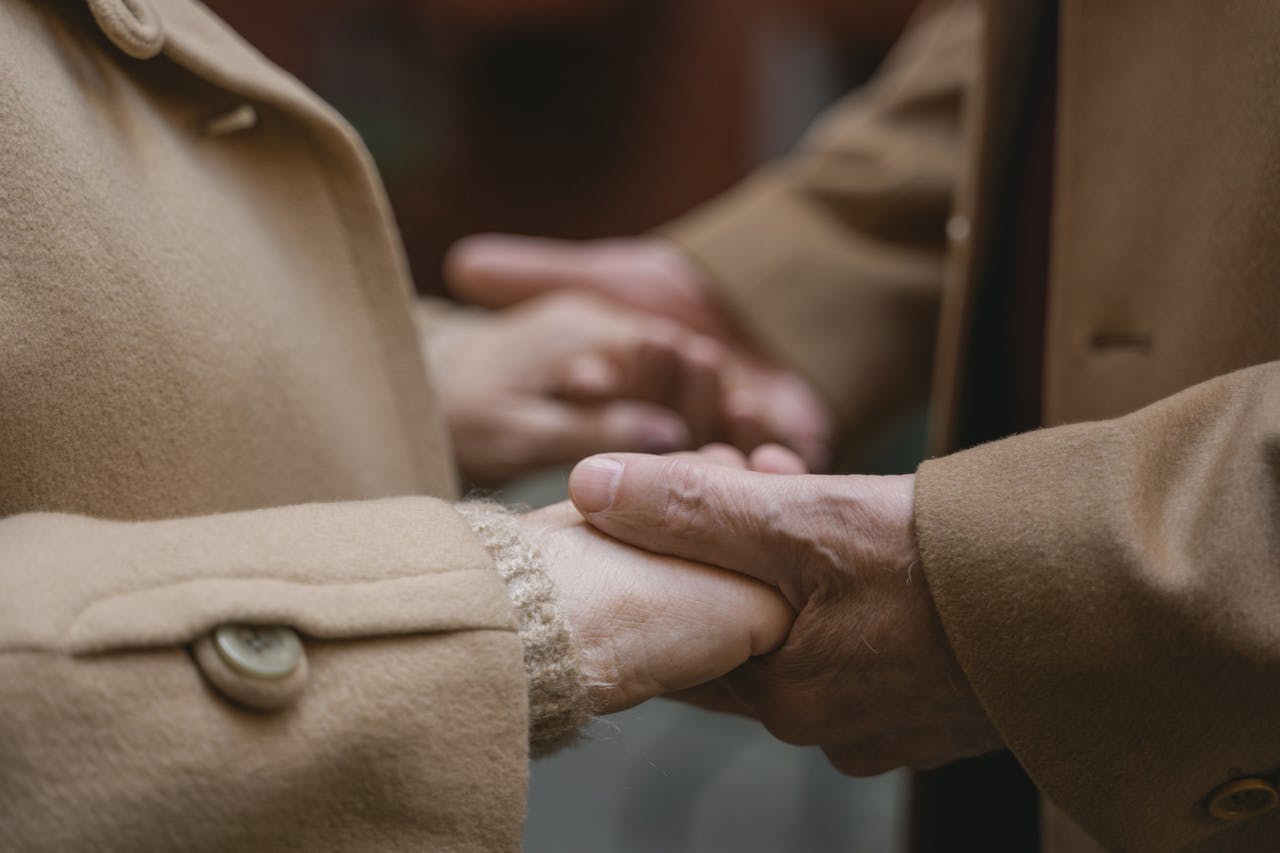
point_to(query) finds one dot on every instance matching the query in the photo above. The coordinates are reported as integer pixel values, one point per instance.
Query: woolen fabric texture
(559, 704)
(214, 409)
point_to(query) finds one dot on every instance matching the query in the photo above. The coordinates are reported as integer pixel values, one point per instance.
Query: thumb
(498, 270)
(692, 509)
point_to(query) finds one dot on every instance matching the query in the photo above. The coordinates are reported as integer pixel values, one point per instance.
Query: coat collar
(186, 32)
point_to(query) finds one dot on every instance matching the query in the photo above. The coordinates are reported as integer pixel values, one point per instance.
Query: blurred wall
(570, 118)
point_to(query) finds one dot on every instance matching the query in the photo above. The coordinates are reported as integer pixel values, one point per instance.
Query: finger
(797, 417)
(695, 510)
(647, 274)
(698, 398)
(745, 419)
(497, 270)
(776, 459)
(775, 407)
(658, 363)
(653, 363)
(560, 433)
(718, 454)
(590, 377)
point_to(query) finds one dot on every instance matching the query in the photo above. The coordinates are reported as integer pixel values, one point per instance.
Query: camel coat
(213, 410)
(1110, 584)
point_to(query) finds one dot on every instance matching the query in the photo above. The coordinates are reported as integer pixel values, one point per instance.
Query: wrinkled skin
(866, 671)
(649, 625)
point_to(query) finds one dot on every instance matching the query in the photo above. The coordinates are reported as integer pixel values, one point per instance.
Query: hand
(555, 379)
(650, 625)
(762, 400)
(866, 672)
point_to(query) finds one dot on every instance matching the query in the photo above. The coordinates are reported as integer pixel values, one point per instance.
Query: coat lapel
(195, 39)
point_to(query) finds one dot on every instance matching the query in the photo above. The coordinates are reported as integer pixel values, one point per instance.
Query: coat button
(132, 25)
(260, 667)
(958, 228)
(258, 652)
(1243, 798)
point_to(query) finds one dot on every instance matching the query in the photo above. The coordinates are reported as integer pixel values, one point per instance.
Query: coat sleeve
(404, 726)
(1112, 590)
(833, 259)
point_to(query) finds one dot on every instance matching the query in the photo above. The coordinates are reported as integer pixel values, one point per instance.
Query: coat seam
(125, 649)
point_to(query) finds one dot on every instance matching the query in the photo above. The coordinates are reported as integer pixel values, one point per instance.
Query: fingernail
(593, 483)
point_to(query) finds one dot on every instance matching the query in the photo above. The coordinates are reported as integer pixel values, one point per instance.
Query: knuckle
(686, 496)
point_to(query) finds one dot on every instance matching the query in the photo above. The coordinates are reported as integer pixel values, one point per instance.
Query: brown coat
(1111, 585)
(213, 409)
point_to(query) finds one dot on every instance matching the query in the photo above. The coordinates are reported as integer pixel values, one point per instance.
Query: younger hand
(762, 401)
(649, 625)
(555, 379)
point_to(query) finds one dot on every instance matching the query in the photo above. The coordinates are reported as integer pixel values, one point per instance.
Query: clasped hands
(603, 347)
(739, 584)
(822, 628)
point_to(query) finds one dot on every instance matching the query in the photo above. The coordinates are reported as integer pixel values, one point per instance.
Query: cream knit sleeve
(559, 704)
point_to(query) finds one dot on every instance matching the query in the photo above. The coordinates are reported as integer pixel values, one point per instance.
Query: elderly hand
(649, 625)
(555, 379)
(866, 672)
(763, 401)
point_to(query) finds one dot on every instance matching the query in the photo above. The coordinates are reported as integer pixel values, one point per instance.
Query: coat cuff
(1109, 589)
(559, 703)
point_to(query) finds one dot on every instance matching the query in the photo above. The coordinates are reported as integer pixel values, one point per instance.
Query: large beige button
(260, 667)
(259, 652)
(1243, 798)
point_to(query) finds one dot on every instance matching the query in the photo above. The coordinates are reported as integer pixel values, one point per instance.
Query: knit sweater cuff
(559, 704)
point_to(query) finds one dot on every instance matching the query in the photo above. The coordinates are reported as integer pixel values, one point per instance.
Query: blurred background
(592, 118)
(567, 118)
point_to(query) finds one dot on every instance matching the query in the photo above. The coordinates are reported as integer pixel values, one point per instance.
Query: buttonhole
(1120, 340)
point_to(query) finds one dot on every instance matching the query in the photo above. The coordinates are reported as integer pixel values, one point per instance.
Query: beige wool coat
(1111, 584)
(213, 410)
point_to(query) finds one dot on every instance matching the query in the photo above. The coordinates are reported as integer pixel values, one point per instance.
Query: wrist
(559, 703)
